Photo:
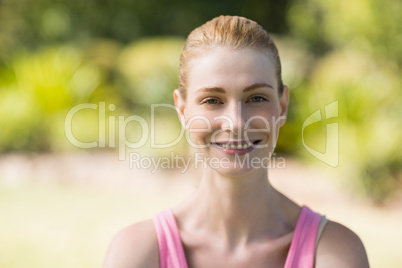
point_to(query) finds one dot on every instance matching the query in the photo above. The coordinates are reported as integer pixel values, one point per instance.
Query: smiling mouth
(237, 145)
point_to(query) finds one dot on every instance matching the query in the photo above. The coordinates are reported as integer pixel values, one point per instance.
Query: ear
(180, 103)
(284, 103)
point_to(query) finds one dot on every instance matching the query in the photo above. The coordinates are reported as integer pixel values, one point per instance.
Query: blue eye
(258, 99)
(211, 101)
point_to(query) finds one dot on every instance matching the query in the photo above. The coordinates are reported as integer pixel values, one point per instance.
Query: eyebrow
(257, 85)
(221, 90)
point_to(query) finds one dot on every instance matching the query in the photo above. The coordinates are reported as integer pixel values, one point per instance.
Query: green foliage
(369, 117)
(373, 27)
(40, 87)
(32, 23)
(334, 50)
(150, 68)
(351, 54)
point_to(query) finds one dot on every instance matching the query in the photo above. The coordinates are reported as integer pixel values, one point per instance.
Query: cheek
(265, 119)
(198, 119)
(199, 125)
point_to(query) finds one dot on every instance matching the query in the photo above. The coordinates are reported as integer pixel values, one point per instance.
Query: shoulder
(134, 246)
(340, 247)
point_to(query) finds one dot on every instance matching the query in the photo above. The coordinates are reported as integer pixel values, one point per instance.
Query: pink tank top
(301, 253)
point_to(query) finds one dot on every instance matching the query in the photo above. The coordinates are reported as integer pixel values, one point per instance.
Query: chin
(234, 172)
(238, 166)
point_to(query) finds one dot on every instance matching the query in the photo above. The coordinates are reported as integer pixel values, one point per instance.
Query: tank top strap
(302, 248)
(171, 253)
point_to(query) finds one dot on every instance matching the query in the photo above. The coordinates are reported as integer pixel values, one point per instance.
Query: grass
(45, 225)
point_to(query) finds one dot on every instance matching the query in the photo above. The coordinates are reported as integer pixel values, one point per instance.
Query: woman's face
(232, 110)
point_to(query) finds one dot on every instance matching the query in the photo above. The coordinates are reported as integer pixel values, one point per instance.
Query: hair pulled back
(228, 31)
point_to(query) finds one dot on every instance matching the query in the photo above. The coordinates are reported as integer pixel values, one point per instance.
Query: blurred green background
(55, 55)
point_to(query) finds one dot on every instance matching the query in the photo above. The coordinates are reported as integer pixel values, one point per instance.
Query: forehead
(231, 68)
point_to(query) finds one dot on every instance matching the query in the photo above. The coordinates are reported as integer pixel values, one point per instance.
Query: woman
(232, 102)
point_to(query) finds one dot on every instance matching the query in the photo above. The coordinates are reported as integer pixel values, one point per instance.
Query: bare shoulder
(134, 247)
(340, 247)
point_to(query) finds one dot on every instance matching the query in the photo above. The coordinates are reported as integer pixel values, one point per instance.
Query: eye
(258, 99)
(211, 101)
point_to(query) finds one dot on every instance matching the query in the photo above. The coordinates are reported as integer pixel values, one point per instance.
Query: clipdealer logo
(331, 154)
(148, 129)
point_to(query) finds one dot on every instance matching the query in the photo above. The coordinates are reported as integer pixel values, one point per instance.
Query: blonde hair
(230, 31)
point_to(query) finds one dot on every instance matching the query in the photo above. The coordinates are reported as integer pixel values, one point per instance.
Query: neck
(237, 209)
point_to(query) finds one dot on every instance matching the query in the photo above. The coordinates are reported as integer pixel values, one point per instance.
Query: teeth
(234, 146)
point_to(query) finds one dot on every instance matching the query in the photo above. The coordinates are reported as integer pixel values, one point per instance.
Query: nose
(235, 118)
